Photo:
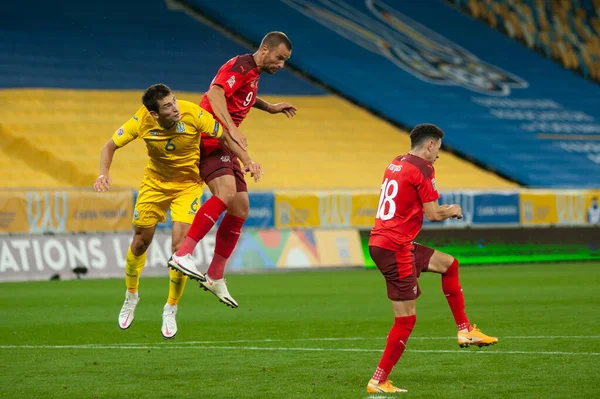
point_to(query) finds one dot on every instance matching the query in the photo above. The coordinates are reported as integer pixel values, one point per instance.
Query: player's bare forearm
(218, 102)
(285, 108)
(103, 180)
(262, 105)
(106, 156)
(445, 213)
(436, 213)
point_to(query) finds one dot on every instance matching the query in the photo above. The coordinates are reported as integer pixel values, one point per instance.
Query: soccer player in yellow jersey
(172, 131)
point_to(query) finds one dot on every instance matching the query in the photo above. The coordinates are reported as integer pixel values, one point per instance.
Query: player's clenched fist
(102, 183)
(456, 208)
(457, 211)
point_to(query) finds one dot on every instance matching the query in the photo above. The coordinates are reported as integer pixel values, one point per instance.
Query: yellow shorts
(155, 197)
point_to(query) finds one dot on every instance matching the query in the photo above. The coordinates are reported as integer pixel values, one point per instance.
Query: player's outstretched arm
(436, 213)
(287, 109)
(254, 168)
(103, 180)
(218, 102)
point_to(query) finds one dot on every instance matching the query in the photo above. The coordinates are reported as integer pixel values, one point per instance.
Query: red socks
(205, 219)
(228, 234)
(396, 343)
(454, 296)
(227, 237)
(403, 326)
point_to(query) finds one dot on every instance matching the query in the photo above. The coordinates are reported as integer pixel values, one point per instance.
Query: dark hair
(423, 132)
(153, 94)
(274, 39)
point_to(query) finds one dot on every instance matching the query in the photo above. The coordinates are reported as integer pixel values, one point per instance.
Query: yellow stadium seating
(15, 172)
(54, 137)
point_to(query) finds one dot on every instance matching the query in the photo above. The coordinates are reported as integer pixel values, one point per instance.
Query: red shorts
(220, 161)
(402, 269)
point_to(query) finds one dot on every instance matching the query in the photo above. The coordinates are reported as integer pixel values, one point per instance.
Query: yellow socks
(177, 282)
(133, 269)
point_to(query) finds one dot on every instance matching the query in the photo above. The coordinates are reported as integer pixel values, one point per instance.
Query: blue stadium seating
(500, 103)
(116, 45)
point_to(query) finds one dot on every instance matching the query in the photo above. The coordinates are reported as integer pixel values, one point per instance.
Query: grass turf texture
(279, 344)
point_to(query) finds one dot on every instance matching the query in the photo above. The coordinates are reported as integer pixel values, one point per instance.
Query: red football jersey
(239, 79)
(408, 183)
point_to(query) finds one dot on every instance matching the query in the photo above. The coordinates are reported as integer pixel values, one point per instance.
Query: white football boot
(185, 264)
(169, 324)
(219, 289)
(128, 310)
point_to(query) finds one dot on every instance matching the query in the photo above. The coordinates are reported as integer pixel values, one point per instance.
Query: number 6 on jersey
(389, 190)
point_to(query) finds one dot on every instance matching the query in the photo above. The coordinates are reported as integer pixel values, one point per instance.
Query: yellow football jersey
(175, 152)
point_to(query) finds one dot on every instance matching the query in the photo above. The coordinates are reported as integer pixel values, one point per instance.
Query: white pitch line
(258, 348)
(554, 337)
(267, 340)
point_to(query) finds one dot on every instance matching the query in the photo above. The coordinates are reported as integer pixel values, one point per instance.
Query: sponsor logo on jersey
(120, 132)
(153, 133)
(225, 158)
(395, 168)
(433, 184)
(136, 214)
(135, 118)
(231, 81)
(216, 129)
(180, 127)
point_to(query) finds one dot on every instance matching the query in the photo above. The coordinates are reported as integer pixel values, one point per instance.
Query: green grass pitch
(304, 335)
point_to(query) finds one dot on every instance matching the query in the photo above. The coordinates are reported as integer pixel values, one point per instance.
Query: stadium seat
(330, 144)
(573, 27)
(350, 147)
(56, 134)
(61, 133)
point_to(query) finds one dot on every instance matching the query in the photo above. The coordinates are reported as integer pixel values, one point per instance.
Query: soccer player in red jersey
(232, 93)
(408, 191)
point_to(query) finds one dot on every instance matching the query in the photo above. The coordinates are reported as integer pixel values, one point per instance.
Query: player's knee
(450, 266)
(239, 208)
(226, 196)
(240, 212)
(224, 189)
(225, 192)
(138, 248)
(442, 263)
(140, 244)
